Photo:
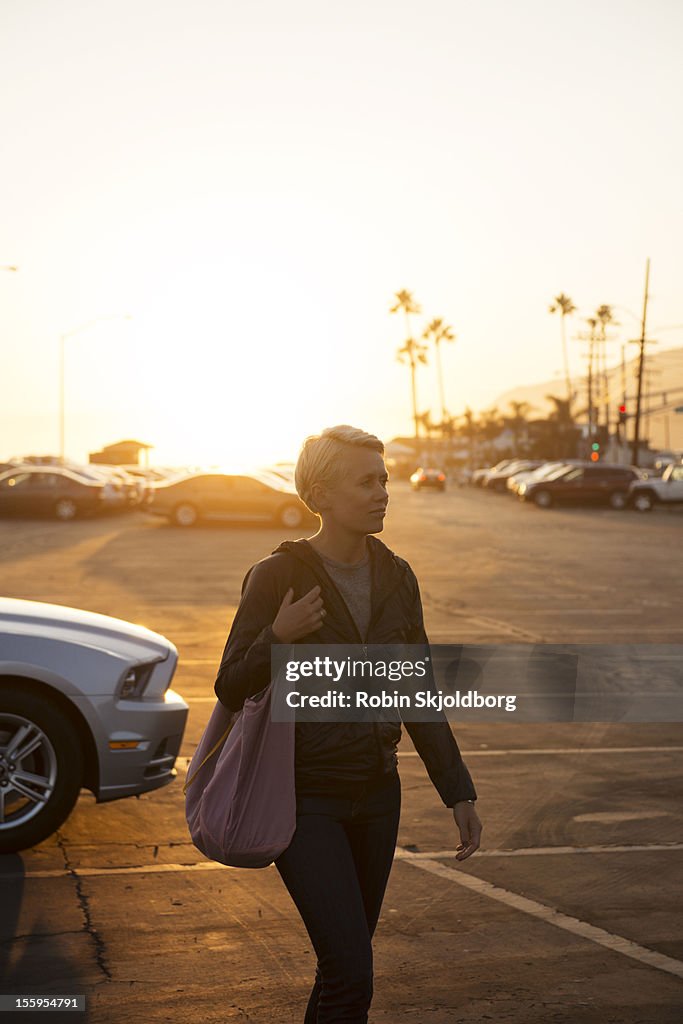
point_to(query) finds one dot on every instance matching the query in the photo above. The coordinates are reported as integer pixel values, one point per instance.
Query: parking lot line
(616, 943)
(182, 764)
(542, 851)
(557, 750)
(400, 854)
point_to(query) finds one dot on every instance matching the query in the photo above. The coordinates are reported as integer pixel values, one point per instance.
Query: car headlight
(522, 489)
(135, 681)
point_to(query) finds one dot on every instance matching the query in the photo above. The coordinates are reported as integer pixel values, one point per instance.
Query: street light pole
(641, 364)
(62, 339)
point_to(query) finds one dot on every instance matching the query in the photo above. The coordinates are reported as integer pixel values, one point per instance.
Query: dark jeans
(336, 870)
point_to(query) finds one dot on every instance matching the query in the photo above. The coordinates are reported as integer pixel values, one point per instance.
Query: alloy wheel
(28, 770)
(65, 509)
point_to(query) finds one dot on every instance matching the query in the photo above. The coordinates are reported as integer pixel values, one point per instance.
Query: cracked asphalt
(571, 911)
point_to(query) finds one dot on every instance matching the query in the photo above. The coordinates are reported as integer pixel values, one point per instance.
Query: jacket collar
(387, 569)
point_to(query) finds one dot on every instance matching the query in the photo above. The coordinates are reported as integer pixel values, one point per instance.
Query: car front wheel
(185, 514)
(41, 769)
(66, 509)
(291, 516)
(543, 499)
(617, 500)
(644, 501)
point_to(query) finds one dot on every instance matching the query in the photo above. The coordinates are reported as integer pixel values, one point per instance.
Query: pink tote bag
(240, 800)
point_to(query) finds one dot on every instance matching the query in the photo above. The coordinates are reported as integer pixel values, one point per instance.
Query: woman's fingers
(297, 618)
(469, 843)
(317, 618)
(470, 827)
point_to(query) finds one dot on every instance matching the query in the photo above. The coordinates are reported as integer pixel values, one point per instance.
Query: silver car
(84, 702)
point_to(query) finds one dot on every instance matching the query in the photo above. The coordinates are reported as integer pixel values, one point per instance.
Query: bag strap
(188, 782)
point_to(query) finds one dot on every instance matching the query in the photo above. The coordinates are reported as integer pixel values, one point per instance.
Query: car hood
(75, 625)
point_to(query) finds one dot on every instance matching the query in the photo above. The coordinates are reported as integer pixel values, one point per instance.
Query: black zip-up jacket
(335, 758)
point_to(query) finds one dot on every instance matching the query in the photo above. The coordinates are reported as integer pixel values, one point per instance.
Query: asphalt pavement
(570, 912)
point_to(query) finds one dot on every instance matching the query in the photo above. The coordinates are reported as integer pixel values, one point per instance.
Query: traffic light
(622, 413)
(595, 451)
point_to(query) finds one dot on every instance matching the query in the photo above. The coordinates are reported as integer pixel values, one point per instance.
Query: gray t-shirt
(354, 584)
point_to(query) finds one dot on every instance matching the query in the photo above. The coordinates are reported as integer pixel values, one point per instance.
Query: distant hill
(663, 427)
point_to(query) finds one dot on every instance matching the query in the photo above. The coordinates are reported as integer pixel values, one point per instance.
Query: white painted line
(400, 854)
(138, 869)
(557, 750)
(609, 817)
(547, 751)
(616, 943)
(540, 851)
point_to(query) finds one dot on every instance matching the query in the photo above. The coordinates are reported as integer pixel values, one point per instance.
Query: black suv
(589, 484)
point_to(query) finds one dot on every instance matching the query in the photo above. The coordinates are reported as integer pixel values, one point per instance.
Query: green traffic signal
(596, 446)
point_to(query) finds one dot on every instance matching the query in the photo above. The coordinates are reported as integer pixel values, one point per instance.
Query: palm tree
(562, 429)
(406, 302)
(592, 324)
(429, 426)
(563, 305)
(437, 331)
(518, 421)
(604, 317)
(412, 351)
(489, 427)
(561, 413)
(469, 429)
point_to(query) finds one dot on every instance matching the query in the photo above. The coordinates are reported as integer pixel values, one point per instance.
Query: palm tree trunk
(590, 388)
(439, 374)
(414, 390)
(412, 379)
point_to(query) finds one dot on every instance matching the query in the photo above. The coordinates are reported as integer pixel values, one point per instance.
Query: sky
(251, 182)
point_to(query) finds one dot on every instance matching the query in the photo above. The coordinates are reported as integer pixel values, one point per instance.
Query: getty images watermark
(509, 682)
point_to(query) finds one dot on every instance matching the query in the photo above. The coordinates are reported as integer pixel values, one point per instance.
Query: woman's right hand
(298, 618)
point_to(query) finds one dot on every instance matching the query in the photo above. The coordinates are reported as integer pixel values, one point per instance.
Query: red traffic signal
(622, 413)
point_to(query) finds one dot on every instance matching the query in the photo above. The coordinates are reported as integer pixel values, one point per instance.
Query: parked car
(257, 497)
(428, 477)
(54, 491)
(497, 479)
(543, 472)
(129, 489)
(284, 470)
(84, 702)
(587, 484)
(479, 475)
(667, 490)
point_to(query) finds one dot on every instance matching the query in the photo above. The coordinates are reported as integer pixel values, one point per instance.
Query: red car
(587, 484)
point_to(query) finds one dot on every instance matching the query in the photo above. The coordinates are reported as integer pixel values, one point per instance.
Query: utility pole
(641, 364)
(591, 356)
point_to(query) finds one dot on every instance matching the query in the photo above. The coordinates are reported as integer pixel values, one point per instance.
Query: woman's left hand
(467, 820)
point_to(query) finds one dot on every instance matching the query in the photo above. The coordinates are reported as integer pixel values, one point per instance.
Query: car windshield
(559, 471)
(278, 483)
(548, 469)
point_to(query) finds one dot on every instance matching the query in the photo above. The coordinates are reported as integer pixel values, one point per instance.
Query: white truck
(665, 490)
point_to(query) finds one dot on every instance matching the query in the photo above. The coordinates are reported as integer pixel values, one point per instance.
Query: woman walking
(342, 586)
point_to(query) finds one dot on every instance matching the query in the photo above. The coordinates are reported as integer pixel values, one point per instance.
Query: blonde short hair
(319, 458)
